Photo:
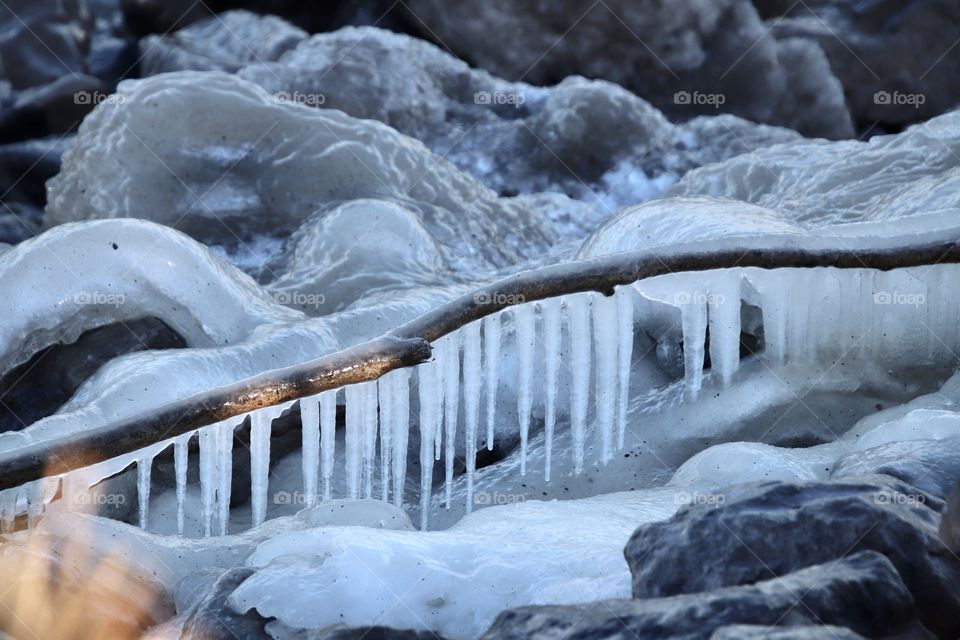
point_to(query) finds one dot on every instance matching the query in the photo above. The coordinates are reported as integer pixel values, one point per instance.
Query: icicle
(773, 304)
(428, 383)
(605, 324)
(224, 472)
(356, 398)
(471, 401)
(180, 463)
(36, 503)
(694, 320)
(451, 399)
(401, 431)
(491, 355)
(439, 359)
(724, 312)
(260, 426)
(578, 314)
(385, 394)
(624, 298)
(550, 312)
(310, 442)
(525, 326)
(328, 438)
(143, 487)
(8, 510)
(369, 435)
(208, 476)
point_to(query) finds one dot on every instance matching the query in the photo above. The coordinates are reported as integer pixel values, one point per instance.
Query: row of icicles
(801, 323)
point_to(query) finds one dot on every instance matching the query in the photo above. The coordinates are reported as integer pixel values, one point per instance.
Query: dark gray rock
(772, 529)
(43, 41)
(862, 592)
(932, 466)
(900, 48)
(763, 632)
(950, 521)
(362, 633)
(687, 57)
(213, 619)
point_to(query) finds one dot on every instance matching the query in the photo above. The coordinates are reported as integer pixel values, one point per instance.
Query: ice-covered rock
(220, 158)
(515, 137)
(816, 183)
(862, 592)
(452, 581)
(224, 42)
(687, 58)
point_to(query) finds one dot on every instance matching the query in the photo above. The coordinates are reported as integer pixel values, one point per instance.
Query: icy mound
(219, 158)
(678, 220)
(115, 270)
(356, 251)
(817, 183)
(710, 51)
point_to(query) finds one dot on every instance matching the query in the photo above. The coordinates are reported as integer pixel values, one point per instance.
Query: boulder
(688, 58)
(862, 592)
(768, 530)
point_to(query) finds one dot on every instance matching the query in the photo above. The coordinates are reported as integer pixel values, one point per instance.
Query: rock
(895, 59)
(40, 42)
(772, 529)
(801, 632)
(55, 108)
(358, 633)
(26, 166)
(517, 138)
(950, 521)
(862, 592)
(40, 386)
(817, 183)
(932, 466)
(687, 58)
(213, 619)
(224, 42)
